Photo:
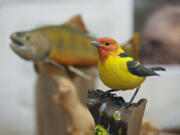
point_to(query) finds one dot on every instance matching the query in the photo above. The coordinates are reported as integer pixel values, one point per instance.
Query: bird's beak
(95, 43)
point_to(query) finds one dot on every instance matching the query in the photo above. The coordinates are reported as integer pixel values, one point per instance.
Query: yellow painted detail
(116, 116)
(120, 131)
(115, 73)
(100, 130)
(100, 114)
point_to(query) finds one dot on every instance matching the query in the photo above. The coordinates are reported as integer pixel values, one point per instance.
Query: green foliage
(100, 130)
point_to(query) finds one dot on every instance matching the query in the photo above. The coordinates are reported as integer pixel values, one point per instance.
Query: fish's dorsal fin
(77, 23)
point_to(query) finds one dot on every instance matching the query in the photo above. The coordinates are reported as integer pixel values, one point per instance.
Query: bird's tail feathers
(158, 69)
(155, 74)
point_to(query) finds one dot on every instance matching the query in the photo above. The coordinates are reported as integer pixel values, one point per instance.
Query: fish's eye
(28, 37)
(107, 43)
(18, 33)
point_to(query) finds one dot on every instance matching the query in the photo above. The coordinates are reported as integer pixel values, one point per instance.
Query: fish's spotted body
(67, 45)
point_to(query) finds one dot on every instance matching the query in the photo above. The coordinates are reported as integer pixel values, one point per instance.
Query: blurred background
(157, 20)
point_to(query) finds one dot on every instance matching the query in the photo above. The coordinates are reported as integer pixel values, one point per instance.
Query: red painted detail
(103, 54)
(106, 39)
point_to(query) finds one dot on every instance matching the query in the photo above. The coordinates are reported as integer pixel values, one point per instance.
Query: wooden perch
(82, 123)
(110, 112)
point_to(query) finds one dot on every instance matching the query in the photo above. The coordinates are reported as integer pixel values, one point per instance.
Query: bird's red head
(106, 46)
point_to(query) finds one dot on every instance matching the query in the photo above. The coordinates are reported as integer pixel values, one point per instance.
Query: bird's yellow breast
(115, 74)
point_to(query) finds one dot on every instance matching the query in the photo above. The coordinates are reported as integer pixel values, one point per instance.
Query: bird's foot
(127, 104)
(132, 99)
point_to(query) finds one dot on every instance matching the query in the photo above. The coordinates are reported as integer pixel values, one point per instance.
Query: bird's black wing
(138, 69)
(124, 54)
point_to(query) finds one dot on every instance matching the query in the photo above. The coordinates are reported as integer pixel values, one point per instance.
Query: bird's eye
(107, 43)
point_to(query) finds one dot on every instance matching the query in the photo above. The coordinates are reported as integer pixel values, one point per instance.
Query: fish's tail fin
(133, 46)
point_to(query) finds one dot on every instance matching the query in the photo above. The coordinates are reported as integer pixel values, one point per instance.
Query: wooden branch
(50, 119)
(148, 128)
(110, 112)
(82, 123)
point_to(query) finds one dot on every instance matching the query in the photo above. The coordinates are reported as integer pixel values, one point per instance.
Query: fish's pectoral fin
(68, 69)
(36, 68)
(79, 72)
(77, 23)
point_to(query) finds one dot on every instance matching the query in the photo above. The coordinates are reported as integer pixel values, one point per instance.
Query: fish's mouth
(16, 42)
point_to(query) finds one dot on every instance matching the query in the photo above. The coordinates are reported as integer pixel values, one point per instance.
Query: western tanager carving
(118, 70)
